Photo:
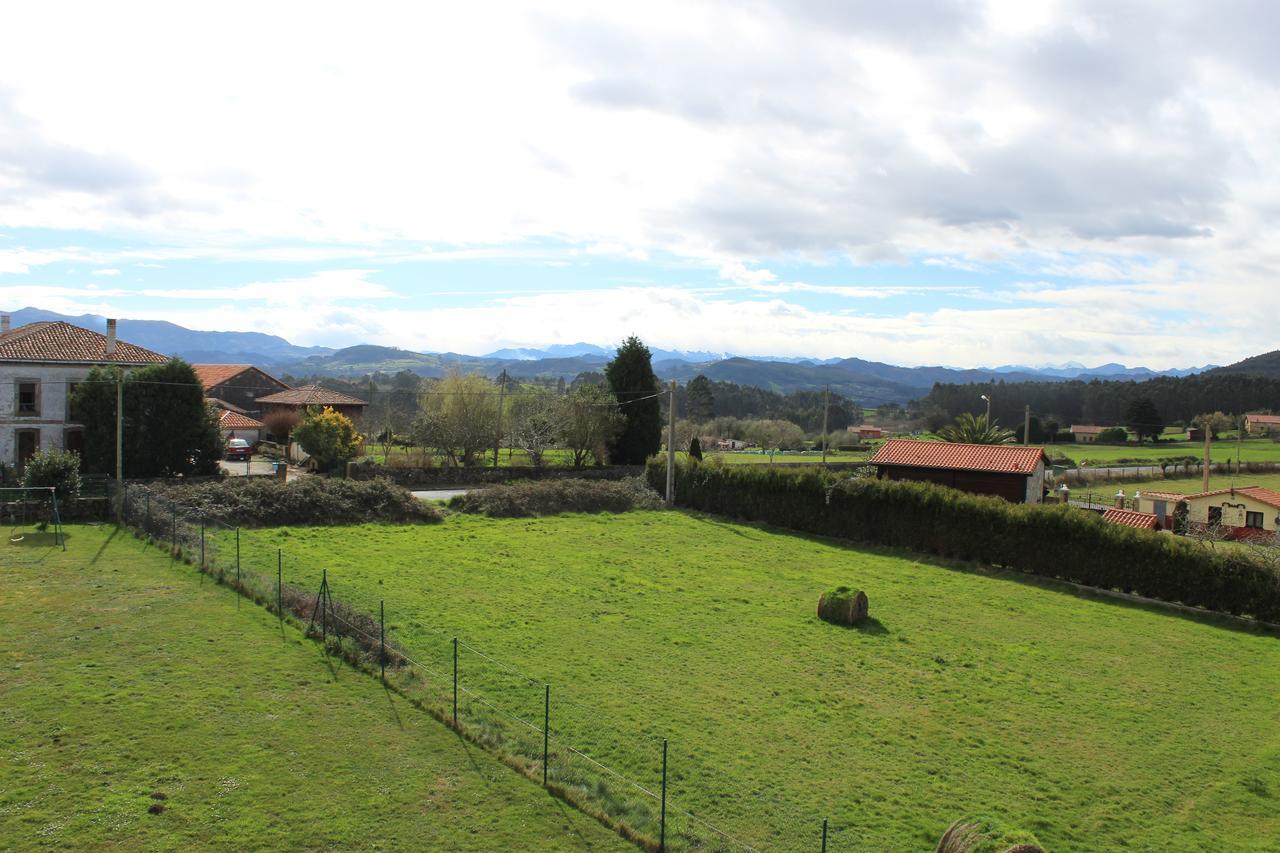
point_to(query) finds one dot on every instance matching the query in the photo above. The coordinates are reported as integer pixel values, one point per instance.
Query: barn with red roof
(1012, 472)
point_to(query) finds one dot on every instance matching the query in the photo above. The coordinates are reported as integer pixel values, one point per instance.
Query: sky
(917, 182)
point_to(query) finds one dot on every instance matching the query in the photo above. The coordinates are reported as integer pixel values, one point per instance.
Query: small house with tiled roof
(1257, 424)
(241, 385)
(312, 397)
(1012, 472)
(40, 365)
(1242, 512)
(1086, 433)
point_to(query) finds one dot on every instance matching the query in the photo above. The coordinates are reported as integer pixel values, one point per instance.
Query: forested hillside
(1179, 399)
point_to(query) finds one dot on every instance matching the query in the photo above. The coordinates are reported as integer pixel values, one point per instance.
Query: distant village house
(240, 385)
(1247, 512)
(1085, 433)
(1262, 424)
(298, 400)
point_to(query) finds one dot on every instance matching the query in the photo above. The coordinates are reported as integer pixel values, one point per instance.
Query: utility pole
(120, 444)
(671, 446)
(1205, 473)
(1026, 425)
(826, 407)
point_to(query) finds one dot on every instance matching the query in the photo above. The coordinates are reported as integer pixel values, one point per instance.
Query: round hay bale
(843, 606)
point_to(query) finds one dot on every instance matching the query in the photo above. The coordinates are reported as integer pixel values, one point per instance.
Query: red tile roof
(311, 395)
(1263, 419)
(235, 420)
(1086, 429)
(1129, 518)
(1000, 458)
(1257, 493)
(62, 342)
(212, 375)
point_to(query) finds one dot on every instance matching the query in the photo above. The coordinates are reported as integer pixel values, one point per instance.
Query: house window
(28, 397)
(1253, 519)
(1215, 515)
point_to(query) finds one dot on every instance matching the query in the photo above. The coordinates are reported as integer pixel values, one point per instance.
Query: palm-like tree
(974, 429)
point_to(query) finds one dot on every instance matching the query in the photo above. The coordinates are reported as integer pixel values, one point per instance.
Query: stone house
(241, 385)
(40, 365)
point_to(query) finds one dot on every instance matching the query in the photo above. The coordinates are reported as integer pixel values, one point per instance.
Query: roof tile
(311, 395)
(1130, 518)
(999, 458)
(59, 341)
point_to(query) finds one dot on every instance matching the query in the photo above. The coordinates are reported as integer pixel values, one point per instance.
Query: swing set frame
(21, 501)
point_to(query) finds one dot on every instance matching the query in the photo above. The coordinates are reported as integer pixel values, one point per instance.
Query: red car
(238, 448)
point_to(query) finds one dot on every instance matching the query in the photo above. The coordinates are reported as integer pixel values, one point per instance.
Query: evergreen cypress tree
(631, 379)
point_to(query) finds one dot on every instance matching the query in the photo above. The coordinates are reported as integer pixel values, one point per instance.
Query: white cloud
(106, 272)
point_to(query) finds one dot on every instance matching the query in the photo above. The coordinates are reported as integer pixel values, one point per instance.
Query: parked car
(238, 448)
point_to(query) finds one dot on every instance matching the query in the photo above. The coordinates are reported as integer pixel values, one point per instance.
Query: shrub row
(549, 497)
(1050, 540)
(263, 502)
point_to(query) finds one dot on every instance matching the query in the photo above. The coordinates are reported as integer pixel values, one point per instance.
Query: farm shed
(1014, 473)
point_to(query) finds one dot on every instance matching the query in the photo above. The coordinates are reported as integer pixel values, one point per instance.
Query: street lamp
(988, 399)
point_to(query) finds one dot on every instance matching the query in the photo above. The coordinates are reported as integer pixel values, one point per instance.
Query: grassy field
(1101, 455)
(1190, 485)
(126, 676)
(1092, 723)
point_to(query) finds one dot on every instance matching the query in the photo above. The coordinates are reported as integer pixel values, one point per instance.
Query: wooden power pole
(120, 444)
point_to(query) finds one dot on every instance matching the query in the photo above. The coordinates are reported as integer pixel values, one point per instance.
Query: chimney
(110, 350)
(5, 321)
(1120, 499)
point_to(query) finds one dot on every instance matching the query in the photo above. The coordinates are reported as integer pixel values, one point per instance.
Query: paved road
(256, 466)
(440, 494)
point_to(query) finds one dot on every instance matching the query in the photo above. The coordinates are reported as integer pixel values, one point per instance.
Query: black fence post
(824, 835)
(237, 556)
(382, 637)
(202, 523)
(280, 584)
(662, 831)
(455, 682)
(546, 732)
(147, 500)
(175, 527)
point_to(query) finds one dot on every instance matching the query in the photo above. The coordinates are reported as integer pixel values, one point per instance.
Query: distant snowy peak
(1074, 370)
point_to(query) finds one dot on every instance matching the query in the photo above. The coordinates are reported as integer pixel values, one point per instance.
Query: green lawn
(1092, 723)
(1102, 455)
(1189, 485)
(125, 675)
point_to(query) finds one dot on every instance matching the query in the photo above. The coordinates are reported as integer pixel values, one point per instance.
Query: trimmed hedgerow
(1049, 540)
(527, 498)
(263, 502)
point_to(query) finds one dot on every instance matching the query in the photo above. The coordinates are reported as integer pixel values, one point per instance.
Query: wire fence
(640, 781)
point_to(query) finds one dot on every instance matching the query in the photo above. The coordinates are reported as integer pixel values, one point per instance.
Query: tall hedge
(1046, 539)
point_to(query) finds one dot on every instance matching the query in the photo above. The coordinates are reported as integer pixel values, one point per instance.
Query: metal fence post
(147, 500)
(175, 527)
(202, 523)
(824, 835)
(662, 832)
(546, 732)
(280, 584)
(237, 556)
(455, 682)
(382, 637)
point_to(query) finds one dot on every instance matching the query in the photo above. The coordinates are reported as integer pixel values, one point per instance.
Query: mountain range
(869, 382)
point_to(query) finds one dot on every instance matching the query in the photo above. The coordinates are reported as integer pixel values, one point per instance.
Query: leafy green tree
(1143, 419)
(169, 430)
(328, 436)
(589, 419)
(700, 399)
(974, 429)
(1216, 423)
(633, 383)
(56, 469)
(459, 417)
(535, 416)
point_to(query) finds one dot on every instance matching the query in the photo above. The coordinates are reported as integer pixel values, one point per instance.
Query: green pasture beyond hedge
(1092, 723)
(1049, 540)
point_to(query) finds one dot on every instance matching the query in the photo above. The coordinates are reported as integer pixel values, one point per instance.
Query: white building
(40, 364)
